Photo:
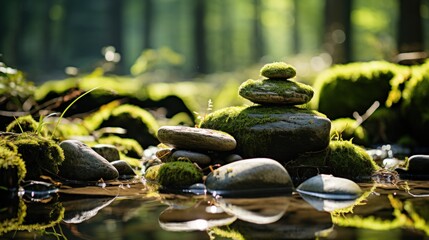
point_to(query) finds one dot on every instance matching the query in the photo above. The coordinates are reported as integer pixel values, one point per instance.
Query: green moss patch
(40, 155)
(341, 159)
(347, 129)
(278, 70)
(10, 163)
(344, 89)
(179, 174)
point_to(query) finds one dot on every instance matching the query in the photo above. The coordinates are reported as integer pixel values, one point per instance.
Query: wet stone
(271, 91)
(418, 165)
(250, 174)
(195, 157)
(330, 187)
(83, 163)
(182, 137)
(124, 169)
(108, 151)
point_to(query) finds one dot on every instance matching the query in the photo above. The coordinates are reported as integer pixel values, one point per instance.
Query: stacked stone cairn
(278, 125)
(276, 129)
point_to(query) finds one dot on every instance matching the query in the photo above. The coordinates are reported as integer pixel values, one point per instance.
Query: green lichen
(278, 70)
(10, 159)
(179, 174)
(341, 159)
(344, 89)
(41, 155)
(283, 89)
(347, 129)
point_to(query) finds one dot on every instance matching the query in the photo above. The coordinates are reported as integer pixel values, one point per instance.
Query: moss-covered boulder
(41, 156)
(385, 125)
(126, 146)
(12, 167)
(415, 105)
(344, 89)
(280, 133)
(341, 159)
(276, 91)
(138, 123)
(347, 129)
(179, 174)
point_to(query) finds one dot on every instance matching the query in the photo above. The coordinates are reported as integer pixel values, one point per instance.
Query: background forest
(189, 38)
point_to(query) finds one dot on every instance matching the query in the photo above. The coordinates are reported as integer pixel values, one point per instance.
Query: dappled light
(214, 119)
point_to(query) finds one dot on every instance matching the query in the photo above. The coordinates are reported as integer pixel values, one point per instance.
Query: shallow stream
(132, 210)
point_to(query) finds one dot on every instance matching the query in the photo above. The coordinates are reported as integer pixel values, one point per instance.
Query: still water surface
(385, 211)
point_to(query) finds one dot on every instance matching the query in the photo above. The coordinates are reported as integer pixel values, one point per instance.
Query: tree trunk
(199, 36)
(338, 30)
(259, 45)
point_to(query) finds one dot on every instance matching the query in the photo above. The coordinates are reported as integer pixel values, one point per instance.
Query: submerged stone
(250, 175)
(83, 163)
(278, 91)
(278, 70)
(276, 132)
(182, 137)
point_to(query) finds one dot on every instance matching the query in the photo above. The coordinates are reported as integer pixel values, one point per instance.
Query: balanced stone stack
(278, 126)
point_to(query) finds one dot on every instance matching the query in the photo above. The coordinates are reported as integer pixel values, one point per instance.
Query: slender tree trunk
(296, 42)
(410, 32)
(147, 31)
(338, 30)
(199, 36)
(258, 36)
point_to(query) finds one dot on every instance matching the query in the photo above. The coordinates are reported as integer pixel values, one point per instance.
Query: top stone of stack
(278, 70)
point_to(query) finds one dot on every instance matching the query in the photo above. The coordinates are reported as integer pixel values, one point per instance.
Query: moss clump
(41, 156)
(126, 146)
(278, 70)
(152, 173)
(385, 125)
(138, 123)
(341, 159)
(179, 174)
(344, 89)
(347, 129)
(23, 124)
(12, 167)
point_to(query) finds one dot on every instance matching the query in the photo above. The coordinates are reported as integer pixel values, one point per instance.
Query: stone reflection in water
(300, 221)
(201, 216)
(327, 205)
(81, 209)
(256, 210)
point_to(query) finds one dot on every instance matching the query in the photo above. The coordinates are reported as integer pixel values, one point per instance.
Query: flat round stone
(195, 157)
(270, 91)
(190, 138)
(278, 70)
